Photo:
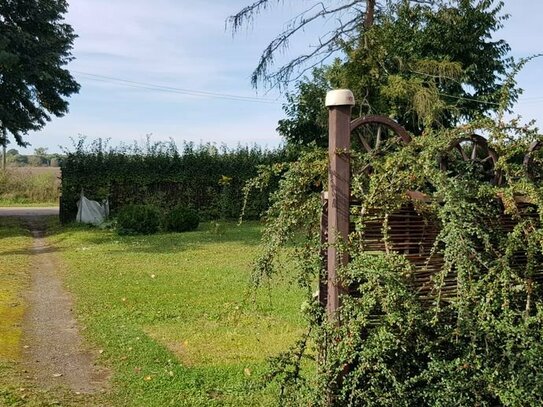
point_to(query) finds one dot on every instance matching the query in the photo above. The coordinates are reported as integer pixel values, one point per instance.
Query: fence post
(339, 103)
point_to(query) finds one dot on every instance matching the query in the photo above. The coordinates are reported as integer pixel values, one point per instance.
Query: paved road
(28, 212)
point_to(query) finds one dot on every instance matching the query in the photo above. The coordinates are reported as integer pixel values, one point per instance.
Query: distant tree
(35, 45)
(40, 157)
(40, 151)
(12, 151)
(19, 160)
(37, 161)
(55, 162)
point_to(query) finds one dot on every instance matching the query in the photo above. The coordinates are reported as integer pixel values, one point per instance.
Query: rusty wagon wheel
(378, 134)
(472, 154)
(532, 165)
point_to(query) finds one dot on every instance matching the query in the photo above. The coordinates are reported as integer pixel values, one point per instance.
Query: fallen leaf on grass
(147, 378)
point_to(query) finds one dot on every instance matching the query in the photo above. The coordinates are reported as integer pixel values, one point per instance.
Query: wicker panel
(414, 235)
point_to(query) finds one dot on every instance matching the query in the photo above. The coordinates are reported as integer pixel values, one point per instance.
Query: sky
(123, 46)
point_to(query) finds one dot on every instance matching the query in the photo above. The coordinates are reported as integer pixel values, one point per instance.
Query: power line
(469, 99)
(170, 89)
(240, 98)
(535, 99)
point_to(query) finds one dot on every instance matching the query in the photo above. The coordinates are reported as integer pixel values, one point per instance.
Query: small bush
(138, 220)
(181, 219)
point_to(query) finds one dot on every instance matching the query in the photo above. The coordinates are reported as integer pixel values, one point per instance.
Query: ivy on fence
(483, 346)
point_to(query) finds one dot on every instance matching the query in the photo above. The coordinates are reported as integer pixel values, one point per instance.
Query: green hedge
(138, 220)
(202, 177)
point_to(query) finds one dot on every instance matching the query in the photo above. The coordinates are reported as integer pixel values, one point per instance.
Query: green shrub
(181, 219)
(138, 220)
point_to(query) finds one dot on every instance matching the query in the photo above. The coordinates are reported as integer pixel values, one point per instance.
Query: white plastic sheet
(91, 211)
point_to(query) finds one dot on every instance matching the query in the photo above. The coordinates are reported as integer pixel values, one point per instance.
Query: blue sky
(184, 45)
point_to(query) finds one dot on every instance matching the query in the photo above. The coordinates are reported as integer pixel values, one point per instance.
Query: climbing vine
(479, 344)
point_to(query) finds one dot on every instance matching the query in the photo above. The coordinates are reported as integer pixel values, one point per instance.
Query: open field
(36, 170)
(172, 316)
(29, 186)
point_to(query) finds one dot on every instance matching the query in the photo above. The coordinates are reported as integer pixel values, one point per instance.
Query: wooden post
(339, 103)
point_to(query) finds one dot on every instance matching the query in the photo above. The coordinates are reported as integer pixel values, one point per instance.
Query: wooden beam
(340, 103)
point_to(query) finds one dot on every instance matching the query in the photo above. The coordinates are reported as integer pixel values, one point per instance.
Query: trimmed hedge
(203, 177)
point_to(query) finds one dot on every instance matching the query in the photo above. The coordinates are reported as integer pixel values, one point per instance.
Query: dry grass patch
(29, 185)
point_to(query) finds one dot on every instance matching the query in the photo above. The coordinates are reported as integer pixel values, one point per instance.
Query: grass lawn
(14, 251)
(173, 317)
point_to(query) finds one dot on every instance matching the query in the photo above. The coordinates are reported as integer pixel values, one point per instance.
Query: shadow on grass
(162, 243)
(31, 252)
(208, 233)
(10, 230)
(25, 226)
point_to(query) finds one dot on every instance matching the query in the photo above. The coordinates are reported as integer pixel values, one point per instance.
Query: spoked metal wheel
(472, 154)
(378, 134)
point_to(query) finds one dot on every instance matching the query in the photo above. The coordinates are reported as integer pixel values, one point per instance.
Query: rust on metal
(474, 149)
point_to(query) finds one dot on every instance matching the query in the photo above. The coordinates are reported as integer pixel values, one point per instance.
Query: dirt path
(53, 350)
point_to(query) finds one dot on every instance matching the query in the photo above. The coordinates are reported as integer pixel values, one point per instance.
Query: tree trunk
(370, 14)
(368, 19)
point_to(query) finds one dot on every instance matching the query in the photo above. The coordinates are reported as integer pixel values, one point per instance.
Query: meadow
(29, 186)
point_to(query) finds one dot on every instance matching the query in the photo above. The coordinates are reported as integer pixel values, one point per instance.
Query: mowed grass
(173, 315)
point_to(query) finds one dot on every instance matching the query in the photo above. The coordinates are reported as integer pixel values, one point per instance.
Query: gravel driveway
(28, 212)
